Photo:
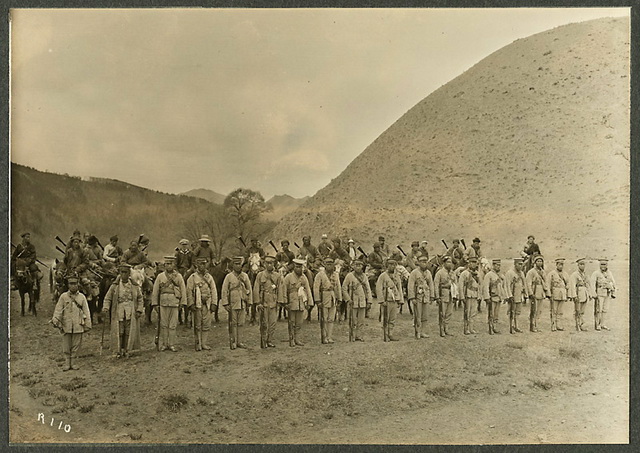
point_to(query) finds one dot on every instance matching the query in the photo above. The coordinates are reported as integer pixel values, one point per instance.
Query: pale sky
(280, 101)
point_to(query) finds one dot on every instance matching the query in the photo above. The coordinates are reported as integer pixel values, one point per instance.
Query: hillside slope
(206, 194)
(48, 204)
(534, 139)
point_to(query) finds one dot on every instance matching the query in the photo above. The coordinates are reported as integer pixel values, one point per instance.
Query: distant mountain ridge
(206, 194)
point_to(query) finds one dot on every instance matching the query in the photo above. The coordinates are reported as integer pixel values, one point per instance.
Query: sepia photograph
(344, 226)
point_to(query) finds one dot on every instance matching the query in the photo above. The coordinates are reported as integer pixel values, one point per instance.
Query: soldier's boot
(442, 334)
(67, 363)
(329, 336)
(198, 341)
(479, 306)
(204, 340)
(490, 327)
(71, 364)
(366, 310)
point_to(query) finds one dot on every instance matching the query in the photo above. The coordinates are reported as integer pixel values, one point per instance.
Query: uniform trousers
(71, 342)
(419, 316)
(392, 312)
(578, 313)
(358, 315)
(534, 313)
(600, 308)
(555, 307)
(168, 324)
(444, 314)
(124, 329)
(269, 317)
(236, 322)
(329, 316)
(470, 312)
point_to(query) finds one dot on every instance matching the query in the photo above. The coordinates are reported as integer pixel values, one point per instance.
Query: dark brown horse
(28, 285)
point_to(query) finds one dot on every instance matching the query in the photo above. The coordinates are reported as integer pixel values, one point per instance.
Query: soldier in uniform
(357, 292)
(267, 293)
(412, 256)
(202, 301)
(469, 293)
(420, 291)
(557, 281)
(169, 293)
(537, 289)
(112, 251)
(579, 291)
(390, 297)
(236, 297)
(124, 299)
(26, 251)
(442, 287)
(204, 250)
(133, 256)
(423, 249)
(456, 253)
(184, 258)
(516, 292)
(297, 297)
(603, 289)
(325, 247)
(493, 294)
(352, 251)
(308, 251)
(384, 248)
(73, 318)
(94, 250)
(328, 294)
(285, 256)
(375, 261)
(474, 251)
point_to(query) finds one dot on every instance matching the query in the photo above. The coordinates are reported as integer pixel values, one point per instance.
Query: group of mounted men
(342, 282)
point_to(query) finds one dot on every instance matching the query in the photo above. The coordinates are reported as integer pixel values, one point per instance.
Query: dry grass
(74, 384)
(175, 401)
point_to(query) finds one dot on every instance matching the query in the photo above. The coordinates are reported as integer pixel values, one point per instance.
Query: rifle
(445, 244)
(20, 254)
(158, 329)
(244, 244)
(274, 246)
(363, 252)
(263, 327)
(402, 251)
(60, 241)
(350, 316)
(296, 244)
(321, 313)
(290, 327)
(102, 337)
(60, 250)
(463, 244)
(385, 320)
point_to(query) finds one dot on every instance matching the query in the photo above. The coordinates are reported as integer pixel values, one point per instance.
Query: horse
(219, 272)
(27, 284)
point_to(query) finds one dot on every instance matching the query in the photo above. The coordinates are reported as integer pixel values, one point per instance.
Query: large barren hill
(534, 139)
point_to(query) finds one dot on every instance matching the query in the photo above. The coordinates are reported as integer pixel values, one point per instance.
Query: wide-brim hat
(205, 238)
(184, 242)
(299, 261)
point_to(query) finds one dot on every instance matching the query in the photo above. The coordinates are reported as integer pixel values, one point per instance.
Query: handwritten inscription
(59, 424)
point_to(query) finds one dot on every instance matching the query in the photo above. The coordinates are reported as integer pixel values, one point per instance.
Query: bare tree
(245, 206)
(216, 223)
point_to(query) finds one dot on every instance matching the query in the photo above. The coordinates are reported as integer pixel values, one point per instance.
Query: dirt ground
(561, 387)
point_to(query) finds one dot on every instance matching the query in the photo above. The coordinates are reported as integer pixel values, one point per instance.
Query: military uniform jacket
(420, 286)
(285, 256)
(469, 285)
(113, 298)
(389, 288)
(169, 290)
(184, 260)
(76, 260)
(412, 259)
(442, 285)
(515, 286)
(536, 284)
(134, 258)
(557, 283)
(375, 260)
(602, 283)
(493, 287)
(324, 248)
(201, 291)
(297, 292)
(326, 288)
(356, 290)
(456, 255)
(579, 287)
(236, 291)
(268, 289)
(26, 253)
(72, 313)
(471, 252)
(204, 252)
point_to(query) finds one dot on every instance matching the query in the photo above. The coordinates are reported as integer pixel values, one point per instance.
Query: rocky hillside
(282, 205)
(534, 139)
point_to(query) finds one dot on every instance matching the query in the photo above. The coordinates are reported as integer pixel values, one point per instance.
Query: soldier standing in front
(420, 292)
(579, 292)
(390, 297)
(73, 318)
(357, 293)
(169, 293)
(493, 294)
(537, 290)
(236, 297)
(469, 293)
(603, 289)
(267, 293)
(557, 281)
(297, 297)
(328, 293)
(442, 287)
(516, 292)
(202, 301)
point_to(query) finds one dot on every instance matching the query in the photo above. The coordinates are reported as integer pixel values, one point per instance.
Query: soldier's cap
(473, 259)
(306, 237)
(72, 279)
(423, 242)
(603, 260)
(392, 261)
(75, 238)
(538, 257)
(447, 259)
(559, 260)
(476, 240)
(415, 244)
(299, 261)
(329, 261)
(269, 259)
(169, 259)
(284, 241)
(580, 260)
(201, 260)
(130, 243)
(381, 238)
(518, 260)
(423, 258)
(456, 241)
(238, 260)
(25, 234)
(184, 242)
(377, 245)
(358, 261)
(122, 266)
(205, 238)
(324, 236)
(531, 237)
(92, 240)
(114, 237)
(496, 261)
(351, 241)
